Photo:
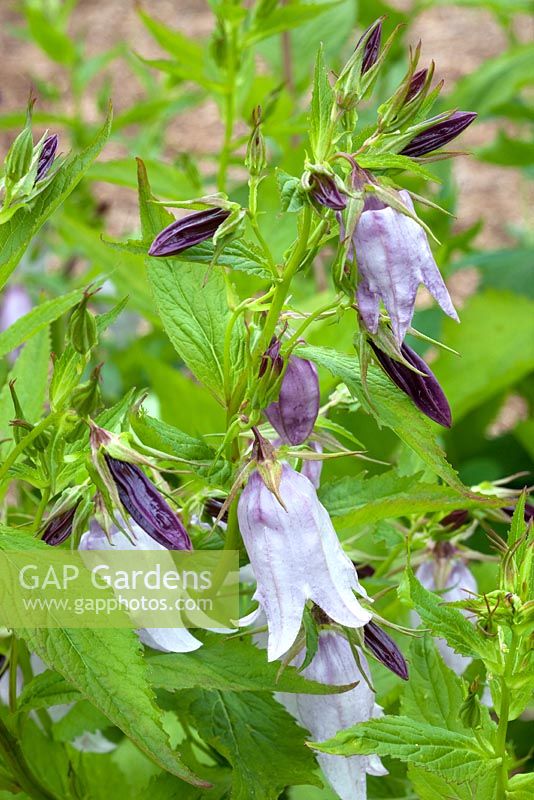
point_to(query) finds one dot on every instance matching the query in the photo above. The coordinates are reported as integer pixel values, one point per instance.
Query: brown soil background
(459, 39)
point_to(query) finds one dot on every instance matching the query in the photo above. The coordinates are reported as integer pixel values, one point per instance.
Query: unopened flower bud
(146, 506)
(293, 415)
(424, 390)
(371, 47)
(385, 650)
(19, 157)
(326, 192)
(438, 135)
(187, 232)
(82, 327)
(469, 711)
(213, 507)
(256, 160)
(416, 84)
(59, 528)
(47, 156)
(86, 397)
(271, 360)
(455, 520)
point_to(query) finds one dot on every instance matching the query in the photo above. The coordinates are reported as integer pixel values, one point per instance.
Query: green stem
(23, 444)
(290, 343)
(15, 761)
(13, 664)
(502, 729)
(253, 216)
(229, 112)
(45, 497)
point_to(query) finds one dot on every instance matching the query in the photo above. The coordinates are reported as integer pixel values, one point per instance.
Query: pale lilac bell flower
(15, 303)
(296, 556)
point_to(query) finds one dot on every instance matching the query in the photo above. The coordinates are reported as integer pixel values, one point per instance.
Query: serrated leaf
(451, 755)
(321, 110)
(286, 17)
(520, 787)
(390, 407)
(230, 665)
(360, 501)
(257, 736)
(16, 234)
(448, 622)
(44, 690)
(387, 161)
(292, 195)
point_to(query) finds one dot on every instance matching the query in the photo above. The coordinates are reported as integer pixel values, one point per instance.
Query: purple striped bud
(296, 556)
(439, 134)
(372, 47)
(452, 580)
(385, 650)
(169, 640)
(59, 528)
(213, 507)
(186, 232)
(272, 360)
(416, 84)
(146, 506)
(456, 519)
(325, 715)
(326, 192)
(394, 258)
(47, 156)
(293, 415)
(425, 391)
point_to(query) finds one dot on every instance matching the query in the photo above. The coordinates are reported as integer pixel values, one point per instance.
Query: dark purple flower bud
(416, 84)
(364, 570)
(186, 232)
(425, 391)
(528, 513)
(326, 192)
(213, 506)
(372, 47)
(272, 360)
(147, 507)
(439, 134)
(294, 415)
(59, 528)
(47, 156)
(385, 650)
(456, 519)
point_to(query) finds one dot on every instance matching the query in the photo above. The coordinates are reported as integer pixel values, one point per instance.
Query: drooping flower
(171, 640)
(449, 576)
(47, 156)
(296, 556)
(145, 504)
(394, 258)
(293, 415)
(385, 649)
(424, 390)
(439, 134)
(325, 715)
(186, 232)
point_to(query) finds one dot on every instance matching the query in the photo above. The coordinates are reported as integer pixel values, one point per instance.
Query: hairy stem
(502, 729)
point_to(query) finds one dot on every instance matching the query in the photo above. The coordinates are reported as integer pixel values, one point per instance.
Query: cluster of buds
(26, 170)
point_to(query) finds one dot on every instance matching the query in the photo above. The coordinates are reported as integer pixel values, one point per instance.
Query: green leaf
(231, 664)
(520, 787)
(44, 690)
(507, 152)
(82, 718)
(50, 38)
(107, 668)
(292, 194)
(257, 736)
(48, 759)
(448, 622)
(31, 373)
(321, 109)
(286, 17)
(434, 692)
(167, 181)
(496, 82)
(390, 407)
(360, 501)
(496, 352)
(429, 786)
(16, 234)
(451, 755)
(183, 49)
(241, 256)
(37, 319)
(387, 161)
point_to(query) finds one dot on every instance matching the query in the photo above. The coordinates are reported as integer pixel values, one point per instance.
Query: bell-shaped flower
(169, 640)
(293, 415)
(449, 577)
(15, 303)
(296, 556)
(394, 258)
(325, 715)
